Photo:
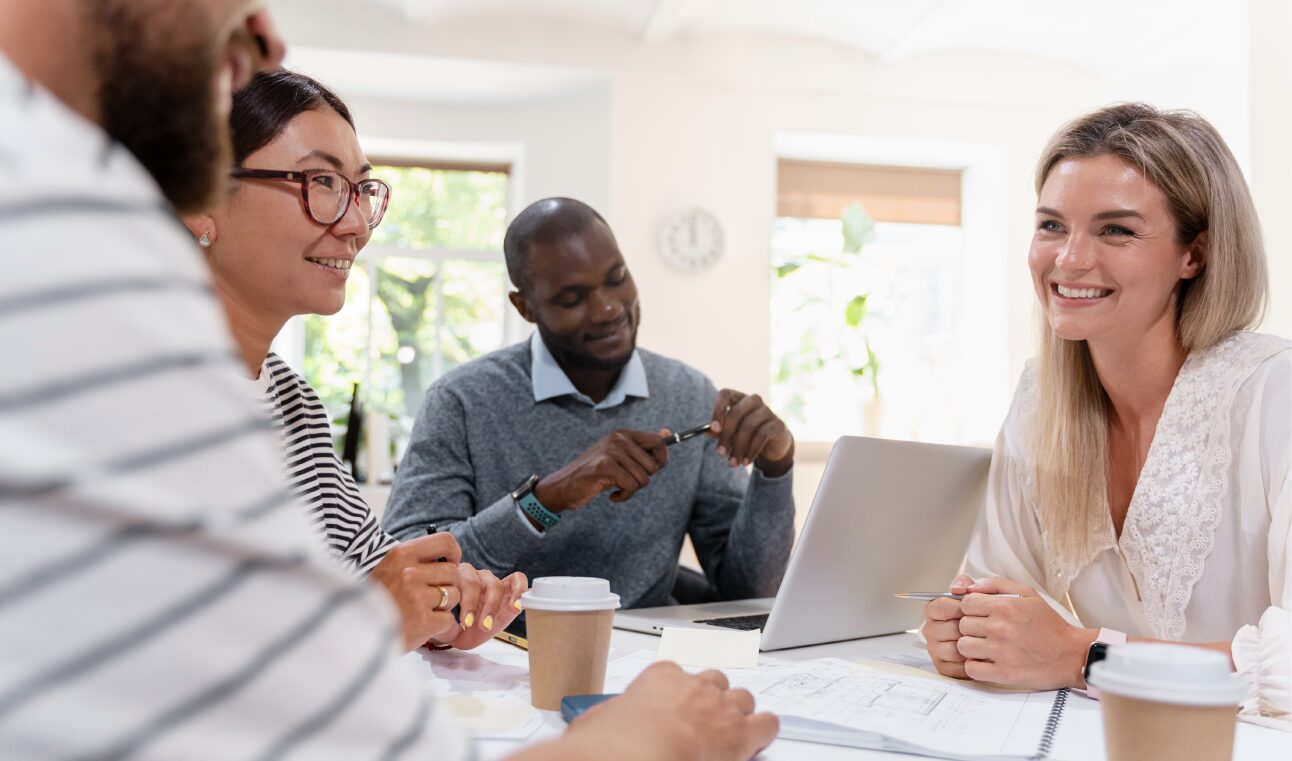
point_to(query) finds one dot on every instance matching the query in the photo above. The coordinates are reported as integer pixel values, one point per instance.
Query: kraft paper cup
(568, 622)
(1167, 702)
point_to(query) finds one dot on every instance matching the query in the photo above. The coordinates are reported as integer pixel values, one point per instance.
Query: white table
(1080, 737)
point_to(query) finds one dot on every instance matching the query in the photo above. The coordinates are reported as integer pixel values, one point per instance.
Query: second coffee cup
(1167, 703)
(568, 621)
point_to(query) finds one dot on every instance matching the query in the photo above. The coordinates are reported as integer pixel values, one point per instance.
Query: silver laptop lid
(888, 516)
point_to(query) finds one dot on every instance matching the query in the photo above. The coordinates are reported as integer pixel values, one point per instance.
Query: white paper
(957, 719)
(496, 678)
(710, 648)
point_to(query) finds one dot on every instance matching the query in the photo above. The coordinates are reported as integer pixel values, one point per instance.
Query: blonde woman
(1139, 487)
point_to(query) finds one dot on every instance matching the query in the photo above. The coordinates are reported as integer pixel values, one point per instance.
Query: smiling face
(1106, 260)
(583, 299)
(268, 256)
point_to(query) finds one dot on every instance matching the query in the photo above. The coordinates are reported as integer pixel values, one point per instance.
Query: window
(426, 295)
(867, 292)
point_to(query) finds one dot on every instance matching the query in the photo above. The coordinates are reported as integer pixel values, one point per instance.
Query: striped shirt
(160, 596)
(315, 473)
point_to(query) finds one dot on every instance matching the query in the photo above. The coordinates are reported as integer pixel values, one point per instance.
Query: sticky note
(483, 716)
(710, 648)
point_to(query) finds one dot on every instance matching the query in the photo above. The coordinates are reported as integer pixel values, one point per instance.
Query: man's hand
(748, 431)
(624, 461)
(667, 713)
(488, 606)
(413, 574)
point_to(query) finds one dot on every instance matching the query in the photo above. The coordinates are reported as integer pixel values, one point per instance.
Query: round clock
(691, 241)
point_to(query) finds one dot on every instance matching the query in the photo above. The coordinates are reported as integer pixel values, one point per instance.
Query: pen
(941, 595)
(689, 433)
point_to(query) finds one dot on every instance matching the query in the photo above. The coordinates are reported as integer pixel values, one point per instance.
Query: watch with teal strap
(529, 504)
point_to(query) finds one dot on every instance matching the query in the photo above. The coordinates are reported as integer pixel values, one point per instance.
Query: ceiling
(1100, 35)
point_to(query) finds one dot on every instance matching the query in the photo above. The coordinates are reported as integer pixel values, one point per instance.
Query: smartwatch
(529, 504)
(1099, 651)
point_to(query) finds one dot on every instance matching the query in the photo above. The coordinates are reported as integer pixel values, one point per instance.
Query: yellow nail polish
(488, 623)
(471, 619)
(517, 605)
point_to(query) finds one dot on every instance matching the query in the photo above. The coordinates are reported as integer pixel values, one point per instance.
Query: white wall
(564, 143)
(1271, 145)
(694, 122)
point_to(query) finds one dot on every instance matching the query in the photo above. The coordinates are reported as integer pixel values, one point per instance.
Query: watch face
(526, 487)
(692, 241)
(1097, 652)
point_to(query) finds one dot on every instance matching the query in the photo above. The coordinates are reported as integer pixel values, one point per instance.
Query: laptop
(888, 516)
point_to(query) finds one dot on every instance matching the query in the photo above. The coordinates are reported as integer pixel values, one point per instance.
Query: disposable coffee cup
(568, 621)
(1167, 702)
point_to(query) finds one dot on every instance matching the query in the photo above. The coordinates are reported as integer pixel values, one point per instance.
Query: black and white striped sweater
(316, 475)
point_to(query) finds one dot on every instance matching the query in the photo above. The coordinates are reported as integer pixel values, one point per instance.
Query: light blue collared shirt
(550, 381)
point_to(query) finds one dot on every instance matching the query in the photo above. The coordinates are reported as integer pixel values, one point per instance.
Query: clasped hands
(1016, 642)
(624, 462)
(415, 572)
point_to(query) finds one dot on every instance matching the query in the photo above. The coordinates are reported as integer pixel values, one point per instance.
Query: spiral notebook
(1014, 742)
(839, 702)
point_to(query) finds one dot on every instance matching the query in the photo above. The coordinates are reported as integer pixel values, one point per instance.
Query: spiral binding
(1051, 725)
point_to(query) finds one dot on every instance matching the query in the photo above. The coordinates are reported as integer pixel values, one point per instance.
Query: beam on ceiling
(667, 17)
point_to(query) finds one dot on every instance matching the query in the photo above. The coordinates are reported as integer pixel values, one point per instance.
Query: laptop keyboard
(743, 623)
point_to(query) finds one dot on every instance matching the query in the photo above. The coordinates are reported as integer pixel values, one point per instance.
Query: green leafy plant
(828, 346)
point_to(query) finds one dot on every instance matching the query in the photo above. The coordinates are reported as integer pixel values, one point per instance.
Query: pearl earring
(204, 241)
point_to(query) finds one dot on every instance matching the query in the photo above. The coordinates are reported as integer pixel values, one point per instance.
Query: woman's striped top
(315, 473)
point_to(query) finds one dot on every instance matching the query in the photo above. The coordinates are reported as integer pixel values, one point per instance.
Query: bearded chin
(157, 98)
(572, 358)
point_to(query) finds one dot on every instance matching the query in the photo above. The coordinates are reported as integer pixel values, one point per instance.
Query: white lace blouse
(1203, 555)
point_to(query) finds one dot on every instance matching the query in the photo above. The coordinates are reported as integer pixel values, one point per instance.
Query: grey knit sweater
(480, 434)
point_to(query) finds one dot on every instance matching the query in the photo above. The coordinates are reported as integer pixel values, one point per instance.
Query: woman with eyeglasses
(301, 206)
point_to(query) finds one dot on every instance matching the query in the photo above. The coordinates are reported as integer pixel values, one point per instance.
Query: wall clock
(692, 241)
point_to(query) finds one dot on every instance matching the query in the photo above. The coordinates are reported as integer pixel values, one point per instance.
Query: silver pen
(941, 595)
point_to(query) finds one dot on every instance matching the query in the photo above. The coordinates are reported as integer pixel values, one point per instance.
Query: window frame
(492, 157)
(984, 222)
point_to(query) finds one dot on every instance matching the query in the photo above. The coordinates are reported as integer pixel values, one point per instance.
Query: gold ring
(444, 599)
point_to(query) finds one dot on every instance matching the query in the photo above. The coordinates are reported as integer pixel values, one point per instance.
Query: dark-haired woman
(301, 206)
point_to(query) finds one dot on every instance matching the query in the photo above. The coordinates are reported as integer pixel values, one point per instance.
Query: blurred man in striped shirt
(160, 597)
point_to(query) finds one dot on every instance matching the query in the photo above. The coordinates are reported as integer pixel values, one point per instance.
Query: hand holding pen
(1003, 632)
(748, 432)
(485, 603)
(621, 463)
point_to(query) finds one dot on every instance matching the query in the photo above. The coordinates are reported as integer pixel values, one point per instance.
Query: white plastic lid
(570, 593)
(1166, 673)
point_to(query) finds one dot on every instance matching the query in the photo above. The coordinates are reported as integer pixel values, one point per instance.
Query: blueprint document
(843, 703)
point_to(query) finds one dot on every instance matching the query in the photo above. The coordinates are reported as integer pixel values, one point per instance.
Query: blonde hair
(1185, 158)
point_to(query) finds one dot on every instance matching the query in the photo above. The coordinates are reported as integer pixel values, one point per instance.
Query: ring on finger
(444, 599)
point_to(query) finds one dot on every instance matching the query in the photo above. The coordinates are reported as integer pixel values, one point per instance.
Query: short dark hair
(263, 109)
(550, 220)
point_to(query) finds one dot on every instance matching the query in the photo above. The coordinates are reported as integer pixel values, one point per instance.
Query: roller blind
(819, 189)
(451, 166)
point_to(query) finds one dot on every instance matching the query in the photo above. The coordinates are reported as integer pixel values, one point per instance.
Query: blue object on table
(574, 705)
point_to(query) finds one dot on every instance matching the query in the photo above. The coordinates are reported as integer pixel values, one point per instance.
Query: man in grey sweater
(549, 456)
